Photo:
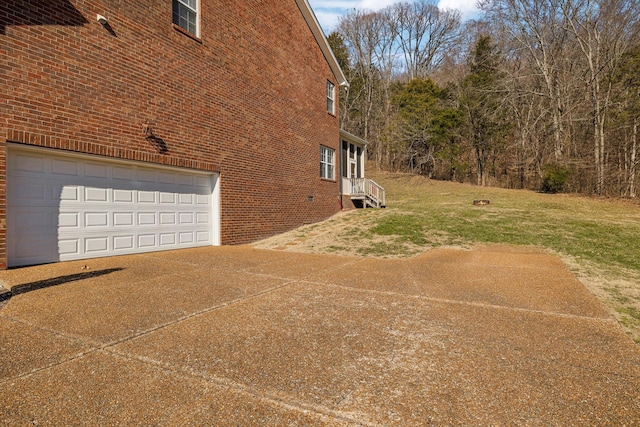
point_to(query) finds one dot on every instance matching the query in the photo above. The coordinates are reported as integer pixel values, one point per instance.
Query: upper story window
(331, 98)
(185, 15)
(327, 162)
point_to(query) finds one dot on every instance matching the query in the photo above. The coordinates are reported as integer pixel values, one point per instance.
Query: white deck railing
(373, 193)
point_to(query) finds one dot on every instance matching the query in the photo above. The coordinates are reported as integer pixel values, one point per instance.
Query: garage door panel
(167, 178)
(96, 245)
(33, 249)
(123, 243)
(147, 240)
(34, 165)
(123, 196)
(186, 199)
(120, 173)
(92, 194)
(202, 182)
(69, 248)
(203, 218)
(67, 220)
(30, 192)
(146, 175)
(123, 219)
(68, 193)
(96, 219)
(146, 197)
(168, 198)
(168, 239)
(203, 236)
(167, 218)
(63, 208)
(185, 180)
(146, 218)
(186, 237)
(35, 222)
(96, 170)
(64, 167)
(185, 218)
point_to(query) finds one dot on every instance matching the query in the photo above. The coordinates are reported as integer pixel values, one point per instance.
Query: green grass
(604, 233)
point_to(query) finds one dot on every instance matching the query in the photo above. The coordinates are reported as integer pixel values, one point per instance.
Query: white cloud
(374, 4)
(468, 8)
(328, 19)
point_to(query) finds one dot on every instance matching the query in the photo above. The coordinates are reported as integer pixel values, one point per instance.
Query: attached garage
(65, 207)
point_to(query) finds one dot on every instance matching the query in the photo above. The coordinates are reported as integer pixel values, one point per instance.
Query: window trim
(327, 163)
(179, 27)
(331, 98)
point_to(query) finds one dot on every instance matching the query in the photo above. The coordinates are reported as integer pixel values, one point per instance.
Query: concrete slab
(239, 336)
(530, 280)
(25, 348)
(399, 360)
(106, 310)
(106, 389)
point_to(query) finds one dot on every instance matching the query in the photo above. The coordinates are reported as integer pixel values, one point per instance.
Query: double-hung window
(185, 15)
(331, 98)
(327, 163)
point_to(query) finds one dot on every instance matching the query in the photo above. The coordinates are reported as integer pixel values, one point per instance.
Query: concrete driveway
(240, 336)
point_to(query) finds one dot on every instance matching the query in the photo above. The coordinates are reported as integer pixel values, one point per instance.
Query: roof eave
(352, 138)
(316, 29)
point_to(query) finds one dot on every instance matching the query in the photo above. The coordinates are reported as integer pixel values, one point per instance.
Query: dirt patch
(318, 238)
(347, 233)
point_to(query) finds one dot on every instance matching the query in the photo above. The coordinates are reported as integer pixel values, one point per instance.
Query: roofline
(316, 29)
(352, 138)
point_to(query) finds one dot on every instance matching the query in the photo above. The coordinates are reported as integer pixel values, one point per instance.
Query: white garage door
(62, 207)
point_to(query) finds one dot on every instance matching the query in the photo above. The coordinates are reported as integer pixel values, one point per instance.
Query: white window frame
(196, 11)
(327, 163)
(331, 98)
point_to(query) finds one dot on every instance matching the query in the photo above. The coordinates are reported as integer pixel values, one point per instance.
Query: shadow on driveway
(41, 284)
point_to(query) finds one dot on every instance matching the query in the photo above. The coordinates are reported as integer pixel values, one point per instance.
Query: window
(327, 163)
(331, 94)
(185, 15)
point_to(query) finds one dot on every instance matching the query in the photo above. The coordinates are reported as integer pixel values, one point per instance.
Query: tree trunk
(632, 160)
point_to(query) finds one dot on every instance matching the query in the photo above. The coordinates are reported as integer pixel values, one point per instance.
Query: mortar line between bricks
(283, 400)
(470, 303)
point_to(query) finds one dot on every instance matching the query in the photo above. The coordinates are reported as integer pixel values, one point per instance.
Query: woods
(536, 94)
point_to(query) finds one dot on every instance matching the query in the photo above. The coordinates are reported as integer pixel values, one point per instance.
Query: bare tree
(424, 33)
(369, 40)
(537, 32)
(604, 31)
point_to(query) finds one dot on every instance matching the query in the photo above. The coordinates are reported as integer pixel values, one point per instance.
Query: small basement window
(331, 96)
(327, 163)
(185, 15)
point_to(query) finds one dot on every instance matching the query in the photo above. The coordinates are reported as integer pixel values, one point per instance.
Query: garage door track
(240, 336)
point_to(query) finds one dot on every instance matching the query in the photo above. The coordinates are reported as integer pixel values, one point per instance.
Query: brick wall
(246, 99)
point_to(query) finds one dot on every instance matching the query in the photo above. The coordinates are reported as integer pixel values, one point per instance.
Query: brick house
(160, 124)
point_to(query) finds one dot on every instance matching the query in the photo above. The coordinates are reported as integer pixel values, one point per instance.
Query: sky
(328, 11)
